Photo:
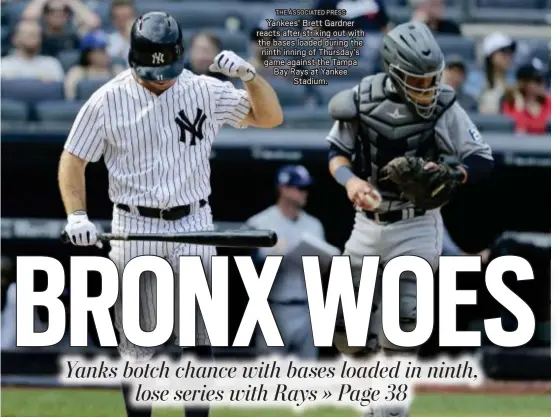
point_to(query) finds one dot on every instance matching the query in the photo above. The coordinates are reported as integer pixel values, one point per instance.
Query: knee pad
(342, 345)
(407, 313)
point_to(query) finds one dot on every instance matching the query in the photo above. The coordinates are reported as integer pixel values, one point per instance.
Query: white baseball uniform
(156, 149)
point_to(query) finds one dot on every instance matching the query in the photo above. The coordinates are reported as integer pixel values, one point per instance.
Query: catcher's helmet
(414, 62)
(156, 47)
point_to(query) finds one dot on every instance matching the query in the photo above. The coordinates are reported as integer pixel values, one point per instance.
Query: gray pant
(420, 236)
(293, 322)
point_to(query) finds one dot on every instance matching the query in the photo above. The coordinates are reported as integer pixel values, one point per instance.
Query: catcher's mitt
(425, 189)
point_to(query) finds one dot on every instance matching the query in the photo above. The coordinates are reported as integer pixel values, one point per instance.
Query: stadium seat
(14, 111)
(457, 45)
(191, 15)
(85, 88)
(325, 93)
(6, 42)
(510, 11)
(493, 123)
(515, 4)
(69, 58)
(58, 111)
(234, 41)
(289, 95)
(119, 61)
(14, 9)
(31, 90)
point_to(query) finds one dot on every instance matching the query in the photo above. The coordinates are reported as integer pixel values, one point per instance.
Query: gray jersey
(455, 135)
(289, 284)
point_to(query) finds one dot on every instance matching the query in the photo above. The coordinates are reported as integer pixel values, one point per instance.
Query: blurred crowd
(69, 43)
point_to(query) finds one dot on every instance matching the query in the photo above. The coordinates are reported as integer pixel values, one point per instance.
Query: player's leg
(303, 339)
(422, 237)
(283, 320)
(365, 240)
(121, 253)
(199, 221)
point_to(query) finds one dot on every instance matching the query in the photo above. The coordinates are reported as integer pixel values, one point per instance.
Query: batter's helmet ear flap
(130, 58)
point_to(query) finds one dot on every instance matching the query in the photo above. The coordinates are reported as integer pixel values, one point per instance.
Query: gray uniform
(288, 298)
(384, 129)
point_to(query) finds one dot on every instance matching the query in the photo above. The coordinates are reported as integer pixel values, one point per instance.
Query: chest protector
(388, 128)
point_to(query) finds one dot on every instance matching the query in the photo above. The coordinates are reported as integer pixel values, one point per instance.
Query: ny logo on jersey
(195, 129)
(158, 58)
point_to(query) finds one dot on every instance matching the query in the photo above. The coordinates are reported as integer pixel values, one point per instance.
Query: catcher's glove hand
(425, 188)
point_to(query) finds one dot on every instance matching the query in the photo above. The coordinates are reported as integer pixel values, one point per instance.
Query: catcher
(401, 146)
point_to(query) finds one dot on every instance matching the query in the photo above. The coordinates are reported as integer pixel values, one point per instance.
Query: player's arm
(71, 181)
(342, 140)
(85, 144)
(257, 106)
(475, 156)
(265, 109)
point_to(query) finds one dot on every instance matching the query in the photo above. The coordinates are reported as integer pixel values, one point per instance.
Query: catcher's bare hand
(362, 194)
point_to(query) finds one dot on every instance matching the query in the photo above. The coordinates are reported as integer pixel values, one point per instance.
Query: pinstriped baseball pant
(124, 251)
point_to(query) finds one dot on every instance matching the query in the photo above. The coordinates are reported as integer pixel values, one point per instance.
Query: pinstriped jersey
(156, 147)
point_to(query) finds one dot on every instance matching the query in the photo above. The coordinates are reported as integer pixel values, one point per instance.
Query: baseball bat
(231, 238)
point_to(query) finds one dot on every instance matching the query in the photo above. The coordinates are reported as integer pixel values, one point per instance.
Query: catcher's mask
(421, 91)
(414, 62)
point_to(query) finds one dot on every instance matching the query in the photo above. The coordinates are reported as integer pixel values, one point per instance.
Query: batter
(154, 125)
(404, 111)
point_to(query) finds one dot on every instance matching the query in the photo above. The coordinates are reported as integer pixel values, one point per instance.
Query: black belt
(168, 214)
(394, 216)
(289, 302)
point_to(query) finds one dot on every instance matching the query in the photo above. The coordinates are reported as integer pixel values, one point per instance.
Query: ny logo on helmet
(158, 58)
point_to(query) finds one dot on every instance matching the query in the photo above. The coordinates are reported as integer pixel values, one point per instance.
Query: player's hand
(80, 230)
(231, 65)
(363, 194)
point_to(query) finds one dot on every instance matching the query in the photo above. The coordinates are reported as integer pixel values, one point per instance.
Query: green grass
(72, 402)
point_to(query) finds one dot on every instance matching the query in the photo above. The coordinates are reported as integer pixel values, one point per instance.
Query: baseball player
(154, 125)
(404, 112)
(288, 299)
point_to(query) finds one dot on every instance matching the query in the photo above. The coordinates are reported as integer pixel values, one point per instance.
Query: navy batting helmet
(156, 47)
(294, 175)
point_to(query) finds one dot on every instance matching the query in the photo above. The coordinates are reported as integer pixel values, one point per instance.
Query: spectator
(94, 63)
(257, 57)
(498, 51)
(455, 74)
(431, 12)
(528, 103)
(59, 33)
(288, 298)
(25, 61)
(204, 47)
(123, 14)
(368, 15)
